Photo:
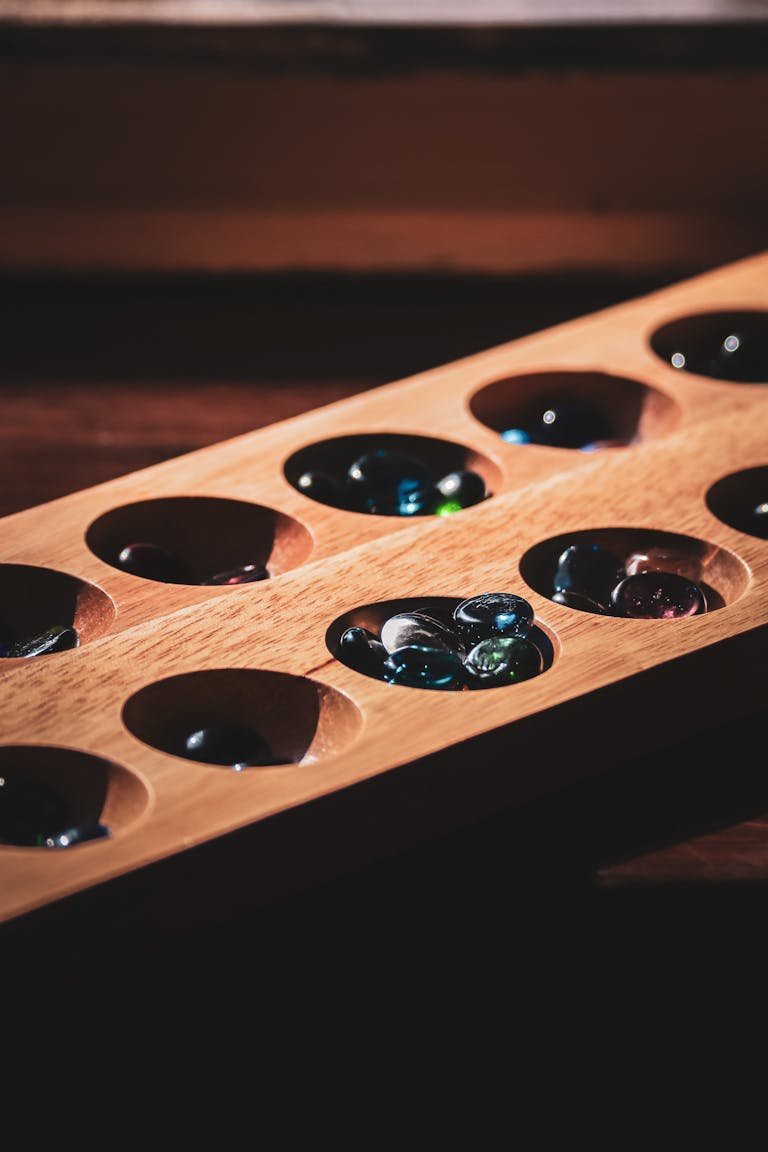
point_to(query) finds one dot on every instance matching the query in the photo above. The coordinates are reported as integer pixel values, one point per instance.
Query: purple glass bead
(493, 614)
(361, 650)
(245, 574)
(417, 667)
(502, 660)
(658, 596)
(660, 559)
(153, 563)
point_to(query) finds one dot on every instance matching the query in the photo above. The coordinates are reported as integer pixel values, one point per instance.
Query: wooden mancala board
(368, 765)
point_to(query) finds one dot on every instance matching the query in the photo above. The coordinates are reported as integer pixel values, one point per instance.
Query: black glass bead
(324, 488)
(758, 521)
(418, 667)
(245, 574)
(492, 614)
(462, 487)
(153, 563)
(235, 745)
(30, 811)
(502, 660)
(361, 650)
(579, 602)
(407, 629)
(588, 569)
(57, 639)
(390, 484)
(658, 596)
(79, 834)
(742, 356)
(567, 422)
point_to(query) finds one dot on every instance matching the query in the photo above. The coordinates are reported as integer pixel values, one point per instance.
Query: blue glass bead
(57, 639)
(516, 436)
(389, 484)
(463, 487)
(152, 562)
(601, 445)
(361, 650)
(419, 667)
(245, 574)
(588, 569)
(579, 602)
(235, 745)
(79, 834)
(658, 596)
(409, 629)
(323, 487)
(30, 810)
(502, 660)
(493, 614)
(567, 422)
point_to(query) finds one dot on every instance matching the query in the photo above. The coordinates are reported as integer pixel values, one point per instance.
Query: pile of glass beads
(564, 422)
(58, 638)
(32, 814)
(484, 642)
(655, 584)
(390, 483)
(153, 562)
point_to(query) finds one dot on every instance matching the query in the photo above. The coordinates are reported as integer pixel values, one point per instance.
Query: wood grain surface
(163, 630)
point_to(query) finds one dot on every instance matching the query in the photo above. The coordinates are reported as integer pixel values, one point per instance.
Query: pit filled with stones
(486, 641)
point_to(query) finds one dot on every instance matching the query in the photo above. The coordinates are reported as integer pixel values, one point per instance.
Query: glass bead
(493, 614)
(659, 559)
(152, 562)
(245, 574)
(389, 484)
(588, 569)
(30, 811)
(463, 487)
(515, 436)
(758, 522)
(79, 834)
(742, 357)
(408, 629)
(502, 660)
(419, 667)
(567, 422)
(579, 602)
(448, 508)
(362, 650)
(323, 487)
(59, 638)
(658, 596)
(232, 744)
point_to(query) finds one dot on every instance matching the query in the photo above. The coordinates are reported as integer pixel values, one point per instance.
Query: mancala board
(358, 766)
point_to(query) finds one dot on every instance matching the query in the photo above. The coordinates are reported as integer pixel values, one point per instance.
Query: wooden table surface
(99, 377)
